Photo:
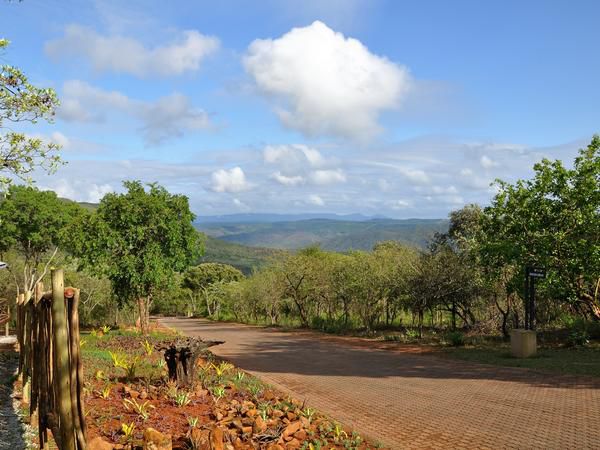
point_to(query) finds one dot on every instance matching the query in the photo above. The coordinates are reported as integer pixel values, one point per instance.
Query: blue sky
(407, 109)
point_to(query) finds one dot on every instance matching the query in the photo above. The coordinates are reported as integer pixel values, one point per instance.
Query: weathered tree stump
(182, 359)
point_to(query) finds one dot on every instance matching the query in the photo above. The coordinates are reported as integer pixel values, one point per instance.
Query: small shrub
(148, 347)
(142, 409)
(411, 334)
(218, 393)
(578, 338)
(392, 337)
(127, 430)
(455, 339)
(182, 399)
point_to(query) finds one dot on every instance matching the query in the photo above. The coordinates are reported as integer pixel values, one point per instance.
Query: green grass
(574, 361)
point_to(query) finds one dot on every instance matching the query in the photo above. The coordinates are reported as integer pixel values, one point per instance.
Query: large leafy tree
(138, 239)
(20, 101)
(33, 223)
(552, 220)
(201, 279)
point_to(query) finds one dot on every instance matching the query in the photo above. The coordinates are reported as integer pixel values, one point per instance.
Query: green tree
(138, 240)
(202, 280)
(552, 220)
(22, 102)
(33, 223)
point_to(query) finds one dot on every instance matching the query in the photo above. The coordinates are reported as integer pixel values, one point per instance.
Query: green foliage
(552, 220)
(138, 240)
(578, 338)
(20, 101)
(455, 338)
(246, 259)
(34, 223)
(182, 399)
(141, 409)
(207, 282)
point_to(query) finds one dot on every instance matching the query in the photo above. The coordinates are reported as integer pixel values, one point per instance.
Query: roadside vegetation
(127, 390)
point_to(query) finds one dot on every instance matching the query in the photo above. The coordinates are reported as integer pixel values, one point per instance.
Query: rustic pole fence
(50, 362)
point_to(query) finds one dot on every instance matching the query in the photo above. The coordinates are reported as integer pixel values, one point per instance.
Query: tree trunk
(143, 305)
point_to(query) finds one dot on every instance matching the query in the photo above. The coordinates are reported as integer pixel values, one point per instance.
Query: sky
(379, 107)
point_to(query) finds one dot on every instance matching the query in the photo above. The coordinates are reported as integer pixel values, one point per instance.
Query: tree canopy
(552, 220)
(33, 222)
(138, 239)
(20, 101)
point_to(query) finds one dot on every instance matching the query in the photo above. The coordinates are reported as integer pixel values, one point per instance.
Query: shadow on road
(267, 350)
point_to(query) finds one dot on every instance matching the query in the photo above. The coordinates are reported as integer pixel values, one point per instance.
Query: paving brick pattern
(412, 401)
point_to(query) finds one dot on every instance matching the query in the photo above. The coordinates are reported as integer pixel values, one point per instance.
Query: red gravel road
(414, 401)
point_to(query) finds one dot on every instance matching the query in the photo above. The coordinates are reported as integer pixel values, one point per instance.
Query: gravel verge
(12, 429)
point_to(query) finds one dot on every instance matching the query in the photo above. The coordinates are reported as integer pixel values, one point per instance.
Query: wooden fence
(4, 315)
(50, 362)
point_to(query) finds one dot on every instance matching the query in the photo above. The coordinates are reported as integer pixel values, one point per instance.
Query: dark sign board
(537, 272)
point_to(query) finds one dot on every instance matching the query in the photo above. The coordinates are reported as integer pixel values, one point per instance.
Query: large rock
(155, 440)
(99, 444)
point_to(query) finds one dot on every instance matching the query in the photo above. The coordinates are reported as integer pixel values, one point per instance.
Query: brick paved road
(413, 401)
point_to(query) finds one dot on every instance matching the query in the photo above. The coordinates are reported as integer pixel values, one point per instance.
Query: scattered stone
(277, 413)
(99, 444)
(294, 443)
(300, 435)
(259, 425)
(247, 421)
(275, 447)
(199, 439)
(305, 422)
(290, 415)
(143, 395)
(251, 412)
(216, 439)
(132, 393)
(155, 440)
(291, 429)
(269, 395)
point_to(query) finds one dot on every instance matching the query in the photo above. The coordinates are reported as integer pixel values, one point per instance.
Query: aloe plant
(142, 409)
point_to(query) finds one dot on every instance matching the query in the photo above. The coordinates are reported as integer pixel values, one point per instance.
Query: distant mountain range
(269, 218)
(339, 234)
(249, 241)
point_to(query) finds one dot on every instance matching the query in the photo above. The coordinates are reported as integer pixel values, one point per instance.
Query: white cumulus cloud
(293, 180)
(314, 199)
(293, 155)
(161, 120)
(326, 83)
(232, 180)
(322, 177)
(120, 54)
(487, 162)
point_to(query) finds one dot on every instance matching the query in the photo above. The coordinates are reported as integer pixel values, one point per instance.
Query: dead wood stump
(182, 356)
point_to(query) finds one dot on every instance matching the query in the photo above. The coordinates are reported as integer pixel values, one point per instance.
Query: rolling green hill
(240, 256)
(338, 235)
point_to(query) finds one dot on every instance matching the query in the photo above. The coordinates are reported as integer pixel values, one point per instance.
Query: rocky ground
(11, 437)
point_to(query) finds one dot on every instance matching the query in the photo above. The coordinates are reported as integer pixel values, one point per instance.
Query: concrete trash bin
(523, 343)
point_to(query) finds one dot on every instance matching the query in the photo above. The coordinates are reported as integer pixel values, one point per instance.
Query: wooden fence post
(63, 375)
